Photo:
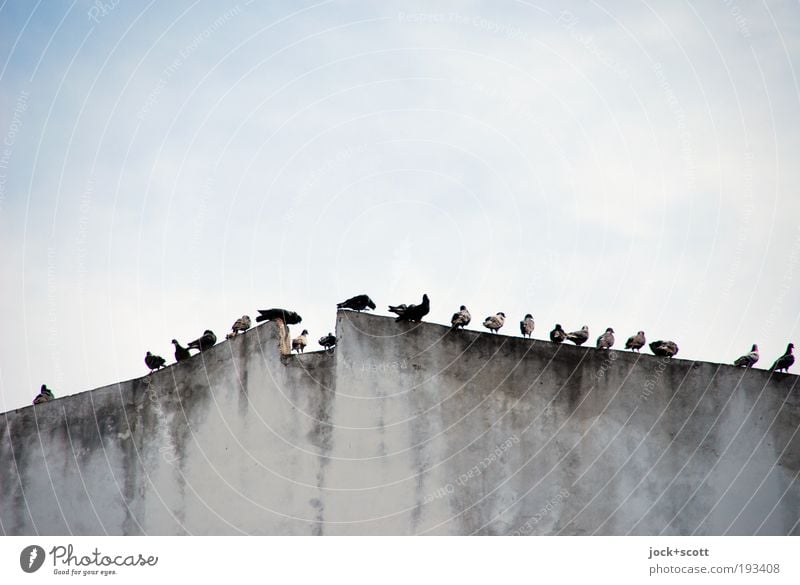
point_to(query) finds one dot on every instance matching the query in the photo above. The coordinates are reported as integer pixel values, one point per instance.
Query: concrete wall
(407, 429)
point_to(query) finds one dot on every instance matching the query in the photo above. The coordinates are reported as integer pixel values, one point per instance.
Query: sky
(166, 168)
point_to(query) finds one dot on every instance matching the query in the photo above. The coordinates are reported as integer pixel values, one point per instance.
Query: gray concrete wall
(407, 429)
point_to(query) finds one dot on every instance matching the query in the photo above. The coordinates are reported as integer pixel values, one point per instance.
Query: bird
(748, 360)
(606, 340)
(526, 326)
(357, 303)
(288, 317)
(785, 361)
(154, 362)
(412, 312)
(579, 337)
(241, 325)
(328, 341)
(664, 348)
(558, 335)
(45, 395)
(202, 343)
(461, 319)
(636, 342)
(300, 342)
(181, 353)
(495, 322)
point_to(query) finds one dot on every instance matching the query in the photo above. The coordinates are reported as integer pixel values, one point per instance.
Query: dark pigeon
(202, 343)
(558, 335)
(357, 303)
(154, 362)
(412, 312)
(664, 348)
(181, 353)
(785, 361)
(45, 395)
(328, 341)
(289, 317)
(748, 360)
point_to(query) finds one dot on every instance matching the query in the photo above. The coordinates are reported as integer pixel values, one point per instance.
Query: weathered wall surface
(409, 429)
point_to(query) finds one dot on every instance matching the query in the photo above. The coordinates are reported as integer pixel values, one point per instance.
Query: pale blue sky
(167, 168)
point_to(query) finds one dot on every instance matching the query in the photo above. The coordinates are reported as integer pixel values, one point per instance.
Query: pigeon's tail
(260, 318)
(340, 305)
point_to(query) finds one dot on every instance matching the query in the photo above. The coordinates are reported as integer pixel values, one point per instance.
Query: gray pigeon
(241, 325)
(526, 326)
(748, 360)
(579, 337)
(461, 319)
(636, 342)
(494, 322)
(300, 342)
(785, 361)
(606, 340)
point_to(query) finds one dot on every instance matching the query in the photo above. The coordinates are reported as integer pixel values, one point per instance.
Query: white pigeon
(526, 326)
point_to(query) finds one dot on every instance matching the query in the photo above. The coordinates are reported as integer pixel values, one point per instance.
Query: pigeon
(636, 342)
(748, 360)
(154, 362)
(357, 303)
(606, 340)
(558, 335)
(181, 353)
(526, 326)
(300, 342)
(785, 361)
(461, 319)
(664, 348)
(494, 322)
(202, 343)
(328, 341)
(45, 395)
(412, 312)
(289, 317)
(241, 325)
(579, 337)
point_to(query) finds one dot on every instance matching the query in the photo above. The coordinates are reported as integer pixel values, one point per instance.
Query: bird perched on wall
(357, 303)
(558, 335)
(526, 326)
(785, 361)
(154, 362)
(579, 337)
(412, 312)
(495, 322)
(748, 360)
(288, 317)
(241, 325)
(664, 348)
(636, 342)
(202, 343)
(328, 341)
(45, 395)
(181, 353)
(461, 319)
(606, 340)
(300, 342)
